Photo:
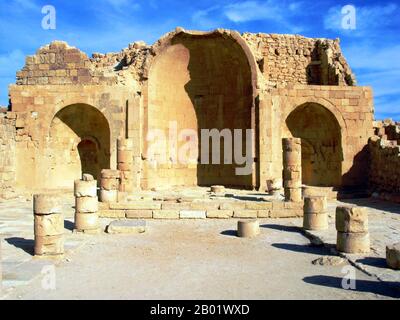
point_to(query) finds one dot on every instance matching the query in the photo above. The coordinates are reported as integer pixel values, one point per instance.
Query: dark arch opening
(80, 138)
(322, 152)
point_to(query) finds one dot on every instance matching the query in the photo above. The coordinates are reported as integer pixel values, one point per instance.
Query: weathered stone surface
(192, 214)
(233, 205)
(109, 184)
(204, 205)
(353, 242)
(87, 177)
(110, 174)
(49, 245)
(109, 196)
(316, 205)
(136, 205)
(219, 214)
(258, 205)
(393, 256)
(352, 219)
(312, 221)
(49, 225)
(46, 204)
(114, 214)
(139, 214)
(329, 261)
(85, 188)
(126, 227)
(218, 189)
(245, 214)
(86, 204)
(166, 214)
(248, 228)
(294, 195)
(86, 221)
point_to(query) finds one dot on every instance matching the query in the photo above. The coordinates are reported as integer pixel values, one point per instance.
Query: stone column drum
(292, 169)
(86, 206)
(352, 230)
(125, 164)
(48, 226)
(315, 213)
(109, 185)
(393, 256)
(248, 228)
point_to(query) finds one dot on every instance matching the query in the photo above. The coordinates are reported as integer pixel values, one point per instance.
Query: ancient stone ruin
(67, 111)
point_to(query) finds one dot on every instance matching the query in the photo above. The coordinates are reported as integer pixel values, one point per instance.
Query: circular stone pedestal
(248, 228)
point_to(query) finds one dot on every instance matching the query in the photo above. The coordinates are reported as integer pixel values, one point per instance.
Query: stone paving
(20, 268)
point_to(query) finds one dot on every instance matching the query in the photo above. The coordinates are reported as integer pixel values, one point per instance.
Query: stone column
(248, 228)
(86, 205)
(48, 226)
(352, 228)
(292, 169)
(125, 164)
(109, 185)
(315, 213)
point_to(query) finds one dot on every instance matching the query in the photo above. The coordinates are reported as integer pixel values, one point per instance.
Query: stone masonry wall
(7, 154)
(384, 177)
(285, 59)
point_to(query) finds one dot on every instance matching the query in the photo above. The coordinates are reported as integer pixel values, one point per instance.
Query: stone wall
(384, 173)
(285, 59)
(7, 154)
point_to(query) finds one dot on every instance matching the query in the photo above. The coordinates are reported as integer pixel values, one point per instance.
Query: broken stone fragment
(352, 219)
(315, 205)
(87, 177)
(49, 225)
(45, 204)
(329, 261)
(393, 256)
(126, 227)
(218, 189)
(85, 188)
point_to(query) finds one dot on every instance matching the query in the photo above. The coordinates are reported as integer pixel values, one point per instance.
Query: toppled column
(315, 213)
(48, 226)
(292, 169)
(125, 161)
(109, 185)
(248, 228)
(393, 256)
(86, 205)
(352, 228)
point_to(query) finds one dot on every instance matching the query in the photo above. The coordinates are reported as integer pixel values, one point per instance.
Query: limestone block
(192, 214)
(292, 184)
(114, 214)
(233, 205)
(85, 188)
(352, 219)
(87, 177)
(126, 227)
(204, 205)
(393, 256)
(294, 195)
(136, 205)
(245, 214)
(219, 214)
(248, 229)
(125, 144)
(49, 245)
(109, 196)
(166, 214)
(86, 205)
(258, 205)
(110, 174)
(175, 206)
(139, 214)
(125, 166)
(46, 204)
(49, 225)
(353, 242)
(264, 213)
(109, 184)
(291, 158)
(286, 213)
(315, 205)
(86, 221)
(312, 221)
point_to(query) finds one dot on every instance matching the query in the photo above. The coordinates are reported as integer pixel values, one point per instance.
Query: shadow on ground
(374, 262)
(279, 227)
(375, 204)
(25, 244)
(387, 289)
(310, 248)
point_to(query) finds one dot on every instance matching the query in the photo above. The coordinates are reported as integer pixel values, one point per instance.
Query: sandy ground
(202, 260)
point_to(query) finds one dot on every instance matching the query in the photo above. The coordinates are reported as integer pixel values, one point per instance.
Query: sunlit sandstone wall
(257, 81)
(7, 155)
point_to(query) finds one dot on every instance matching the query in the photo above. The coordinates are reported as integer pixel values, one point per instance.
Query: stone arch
(322, 147)
(79, 138)
(201, 81)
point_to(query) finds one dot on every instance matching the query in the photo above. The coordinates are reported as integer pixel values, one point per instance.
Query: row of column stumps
(48, 226)
(86, 205)
(292, 180)
(125, 164)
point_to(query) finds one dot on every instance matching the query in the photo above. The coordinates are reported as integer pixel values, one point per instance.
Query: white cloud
(368, 18)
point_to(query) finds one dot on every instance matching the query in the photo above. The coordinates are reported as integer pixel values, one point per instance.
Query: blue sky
(372, 49)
